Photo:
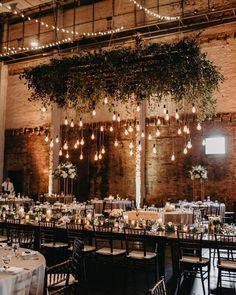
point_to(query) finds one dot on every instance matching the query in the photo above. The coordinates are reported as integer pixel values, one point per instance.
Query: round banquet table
(29, 281)
(116, 204)
(16, 201)
(177, 216)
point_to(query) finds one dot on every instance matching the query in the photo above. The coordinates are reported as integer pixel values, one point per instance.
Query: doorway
(17, 178)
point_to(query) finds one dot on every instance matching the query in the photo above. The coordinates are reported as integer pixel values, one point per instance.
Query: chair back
(89, 208)
(76, 258)
(190, 244)
(74, 231)
(107, 207)
(228, 243)
(159, 288)
(135, 239)
(103, 237)
(23, 237)
(47, 232)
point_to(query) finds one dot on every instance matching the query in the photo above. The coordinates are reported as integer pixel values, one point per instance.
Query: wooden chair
(76, 231)
(190, 258)
(24, 238)
(107, 208)
(159, 288)
(137, 255)
(226, 259)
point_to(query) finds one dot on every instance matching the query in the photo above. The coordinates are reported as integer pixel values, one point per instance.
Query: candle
(126, 218)
(26, 217)
(133, 222)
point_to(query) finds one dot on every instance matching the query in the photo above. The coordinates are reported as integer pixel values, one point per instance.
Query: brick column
(3, 97)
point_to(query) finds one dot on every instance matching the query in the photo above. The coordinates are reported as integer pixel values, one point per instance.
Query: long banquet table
(29, 280)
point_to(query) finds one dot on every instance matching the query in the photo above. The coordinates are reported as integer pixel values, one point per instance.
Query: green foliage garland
(179, 71)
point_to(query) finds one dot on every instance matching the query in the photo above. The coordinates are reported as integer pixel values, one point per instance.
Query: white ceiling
(21, 4)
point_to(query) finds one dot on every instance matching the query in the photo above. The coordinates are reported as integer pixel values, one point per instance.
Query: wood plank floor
(106, 280)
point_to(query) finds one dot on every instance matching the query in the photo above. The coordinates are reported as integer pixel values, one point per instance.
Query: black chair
(24, 238)
(159, 288)
(137, 255)
(226, 258)
(107, 208)
(190, 258)
(77, 231)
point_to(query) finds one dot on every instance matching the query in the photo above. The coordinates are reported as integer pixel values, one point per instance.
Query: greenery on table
(180, 71)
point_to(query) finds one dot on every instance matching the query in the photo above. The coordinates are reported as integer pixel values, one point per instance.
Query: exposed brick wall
(30, 155)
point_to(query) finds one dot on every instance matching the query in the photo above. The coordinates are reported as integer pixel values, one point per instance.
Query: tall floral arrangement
(65, 170)
(198, 172)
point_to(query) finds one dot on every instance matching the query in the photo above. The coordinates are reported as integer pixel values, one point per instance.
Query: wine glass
(15, 247)
(6, 260)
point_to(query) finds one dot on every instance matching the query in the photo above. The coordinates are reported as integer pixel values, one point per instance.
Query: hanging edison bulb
(114, 116)
(103, 150)
(158, 121)
(179, 131)
(130, 129)
(65, 146)
(131, 152)
(66, 121)
(188, 131)
(51, 143)
(149, 136)
(78, 141)
(81, 156)
(46, 138)
(203, 142)
(99, 156)
(101, 128)
(176, 115)
(75, 146)
(92, 136)
(82, 141)
(158, 133)
(173, 157)
(57, 139)
(111, 128)
(116, 142)
(185, 150)
(80, 122)
(137, 126)
(142, 134)
(118, 118)
(72, 125)
(131, 145)
(138, 107)
(189, 144)
(94, 112)
(199, 127)
(60, 152)
(126, 132)
(139, 146)
(164, 109)
(105, 100)
(43, 109)
(193, 109)
(167, 117)
(154, 149)
(96, 156)
(185, 128)
(67, 155)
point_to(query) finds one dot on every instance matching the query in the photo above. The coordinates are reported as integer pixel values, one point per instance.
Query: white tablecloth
(116, 204)
(28, 282)
(204, 205)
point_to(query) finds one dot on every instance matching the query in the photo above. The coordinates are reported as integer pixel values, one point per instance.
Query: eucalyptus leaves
(178, 71)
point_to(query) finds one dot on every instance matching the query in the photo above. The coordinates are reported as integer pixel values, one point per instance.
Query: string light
(156, 15)
(158, 133)
(142, 134)
(126, 132)
(131, 145)
(81, 156)
(101, 128)
(185, 150)
(65, 146)
(60, 152)
(99, 156)
(82, 141)
(179, 131)
(189, 144)
(94, 112)
(116, 142)
(164, 109)
(139, 146)
(96, 156)
(118, 118)
(138, 108)
(158, 121)
(43, 109)
(51, 143)
(114, 116)
(167, 117)
(75, 146)
(185, 128)
(137, 126)
(103, 150)
(80, 122)
(130, 129)
(149, 136)
(204, 142)
(105, 100)
(92, 136)
(111, 128)
(67, 155)
(46, 138)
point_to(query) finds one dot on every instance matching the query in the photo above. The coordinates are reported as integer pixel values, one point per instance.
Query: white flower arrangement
(198, 172)
(116, 213)
(65, 170)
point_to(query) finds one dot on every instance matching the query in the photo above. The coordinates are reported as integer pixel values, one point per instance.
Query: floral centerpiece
(198, 172)
(116, 213)
(65, 170)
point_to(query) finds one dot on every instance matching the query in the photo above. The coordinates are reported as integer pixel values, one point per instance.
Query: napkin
(2, 245)
(29, 253)
(12, 270)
